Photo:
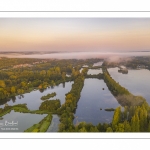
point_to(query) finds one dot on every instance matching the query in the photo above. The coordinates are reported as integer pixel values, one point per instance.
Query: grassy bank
(42, 126)
(48, 96)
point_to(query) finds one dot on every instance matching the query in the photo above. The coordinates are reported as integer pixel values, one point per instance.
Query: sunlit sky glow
(75, 34)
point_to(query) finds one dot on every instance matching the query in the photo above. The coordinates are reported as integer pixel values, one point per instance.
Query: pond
(54, 124)
(85, 66)
(98, 63)
(21, 121)
(93, 97)
(94, 71)
(33, 99)
(136, 81)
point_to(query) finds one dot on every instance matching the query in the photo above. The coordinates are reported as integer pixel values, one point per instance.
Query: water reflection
(54, 124)
(13, 99)
(94, 71)
(33, 99)
(98, 63)
(93, 97)
(23, 120)
(64, 85)
(136, 81)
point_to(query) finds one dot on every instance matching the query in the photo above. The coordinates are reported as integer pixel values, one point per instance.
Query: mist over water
(76, 55)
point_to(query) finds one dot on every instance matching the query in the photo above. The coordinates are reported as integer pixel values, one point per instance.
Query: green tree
(125, 113)
(127, 127)
(93, 129)
(64, 76)
(135, 124)
(116, 117)
(2, 84)
(120, 127)
(13, 89)
(83, 129)
(148, 127)
(109, 129)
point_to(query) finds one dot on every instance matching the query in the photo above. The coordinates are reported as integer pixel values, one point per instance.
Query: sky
(75, 34)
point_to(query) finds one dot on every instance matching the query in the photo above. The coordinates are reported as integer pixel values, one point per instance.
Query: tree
(13, 89)
(120, 127)
(23, 84)
(64, 76)
(116, 117)
(82, 129)
(148, 127)
(127, 127)
(2, 84)
(109, 129)
(125, 113)
(93, 129)
(61, 127)
(135, 124)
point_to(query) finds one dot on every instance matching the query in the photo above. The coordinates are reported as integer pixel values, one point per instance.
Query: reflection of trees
(41, 90)
(123, 71)
(2, 102)
(19, 96)
(123, 96)
(64, 85)
(14, 99)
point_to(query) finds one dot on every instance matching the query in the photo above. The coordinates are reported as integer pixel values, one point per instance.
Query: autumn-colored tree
(2, 84)
(109, 129)
(135, 124)
(120, 127)
(116, 117)
(127, 127)
(13, 89)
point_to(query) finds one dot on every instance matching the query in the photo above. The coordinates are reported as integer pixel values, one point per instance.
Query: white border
(75, 15)
(73, 135)
(74, 5)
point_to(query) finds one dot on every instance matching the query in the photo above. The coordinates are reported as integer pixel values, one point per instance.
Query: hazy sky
(74, 34)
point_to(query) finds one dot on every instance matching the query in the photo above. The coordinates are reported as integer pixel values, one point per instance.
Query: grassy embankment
(48, 96)
(51, 107)
(42, 126)
(66, 111)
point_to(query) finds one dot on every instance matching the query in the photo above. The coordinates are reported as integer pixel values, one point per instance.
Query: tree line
(40, 76)
(66, 111)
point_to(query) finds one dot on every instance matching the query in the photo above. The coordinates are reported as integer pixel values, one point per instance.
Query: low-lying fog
(74, 55)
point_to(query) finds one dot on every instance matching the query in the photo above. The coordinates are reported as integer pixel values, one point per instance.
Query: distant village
(141, 66)
(29, 65)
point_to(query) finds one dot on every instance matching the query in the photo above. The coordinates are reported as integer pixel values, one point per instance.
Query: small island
(50, 105)
(48, 96)
(109, 109)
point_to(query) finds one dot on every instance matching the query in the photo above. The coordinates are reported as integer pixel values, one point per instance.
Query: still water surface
(54, 124)
(94, 71)
(136, 81)
(98, 63)
(22, 121)
(33, 99)
(93, 97)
